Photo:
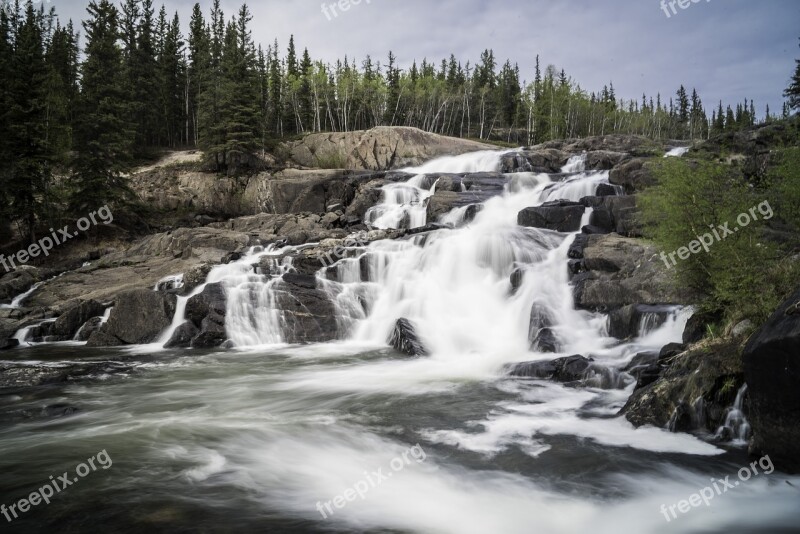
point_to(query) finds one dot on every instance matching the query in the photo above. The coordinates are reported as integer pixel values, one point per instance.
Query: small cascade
(403, 206)
(19, 299)
(677, 152)
(575, 164)
(169, 283)
(736, 427)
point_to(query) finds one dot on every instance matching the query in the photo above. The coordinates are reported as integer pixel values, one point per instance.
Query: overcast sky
(727, 49)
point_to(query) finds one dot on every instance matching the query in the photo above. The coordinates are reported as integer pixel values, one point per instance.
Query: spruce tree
(103, 137)
(29, 173)
(792, 93)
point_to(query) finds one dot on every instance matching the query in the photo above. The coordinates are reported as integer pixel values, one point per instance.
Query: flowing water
(274, 438)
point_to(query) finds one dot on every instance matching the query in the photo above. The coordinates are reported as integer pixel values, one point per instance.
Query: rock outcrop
(404, 339)
(378, 149)
(616, 272)
(772, 371)
(138, 317)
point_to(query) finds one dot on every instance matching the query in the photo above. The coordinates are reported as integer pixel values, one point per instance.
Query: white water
(287, 427)
(677, 152)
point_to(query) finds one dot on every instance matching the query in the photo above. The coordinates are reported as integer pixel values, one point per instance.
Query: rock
(516, 279)
(90, 327)
(697, 326)
(206, 312)
(561, 216)
(380, 148)
(577, 248)
(615, 214)
(704, 378)
(546, 160)
(627, 322)
(603, 160)
(570, 369)
(404, 339)
(634, 175)
(196, 277)
(772, 372)
(623, 271)
(669, 351)
(743, 328)
(606, 190)
(139, 316)
(19, 281)
(545, 341)
(183, 336)
(307, 314)
(70, 322)
(8, 344)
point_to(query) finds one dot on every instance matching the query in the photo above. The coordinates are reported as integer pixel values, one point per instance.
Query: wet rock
(711, 372)
(404, 339)
(670, 351)
(623, 271)
(183, 336)
(206, 311)
(545, 341)
(560, 216)
(90, 327)
(516, 279)
(697, 326)
(138, 317)
(772, 371)
(626, 322)
(569, 369)
(307, 313)
(547, 160)
(70, 322)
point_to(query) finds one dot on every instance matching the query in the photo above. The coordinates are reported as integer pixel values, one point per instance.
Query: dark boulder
(70, 322)
(307, 313)
(560, 216)
(669, 351)
(138, 317)
(606, 190)
(636, 319)
(569, 369)
(545, 341)
(404, 339)
(183, 336)
(772, 372)
(697, 326)
(634, 175)
(517, 277)
(206, 311)
(90, 327)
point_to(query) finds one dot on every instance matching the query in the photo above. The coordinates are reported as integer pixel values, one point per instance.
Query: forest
(82, 102)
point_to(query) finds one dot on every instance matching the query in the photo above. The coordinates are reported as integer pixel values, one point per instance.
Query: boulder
(705, 378)
(89, 328)
(139, 316)
(772, 372)
(307, 313)
(627, 322)
(560, 216)
(205, 312)
(70, 322)
(544, 160)
(622, 271)
(569, 369)
(634, 175)
(603, 160)
(404, 339)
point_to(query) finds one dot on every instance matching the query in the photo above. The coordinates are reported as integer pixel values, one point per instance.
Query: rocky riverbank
(207, 221)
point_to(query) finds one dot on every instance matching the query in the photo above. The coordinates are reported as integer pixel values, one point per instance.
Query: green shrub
(741, 274)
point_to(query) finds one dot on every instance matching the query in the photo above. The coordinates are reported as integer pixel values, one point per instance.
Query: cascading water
(259, 438)
(736, 426)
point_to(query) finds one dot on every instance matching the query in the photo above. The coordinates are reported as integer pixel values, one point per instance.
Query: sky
(728, 50)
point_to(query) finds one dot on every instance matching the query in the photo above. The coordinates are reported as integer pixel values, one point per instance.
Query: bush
(742, 275)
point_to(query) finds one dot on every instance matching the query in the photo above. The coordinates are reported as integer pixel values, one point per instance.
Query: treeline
(76, 121)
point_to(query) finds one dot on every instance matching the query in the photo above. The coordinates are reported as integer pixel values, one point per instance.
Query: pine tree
(29, 174)
(198, 68)
(793, 91)
(103, 137)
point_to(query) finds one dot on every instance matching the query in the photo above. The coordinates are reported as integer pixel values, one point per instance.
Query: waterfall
(454, 284)
(677, 152)
(736, 427)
